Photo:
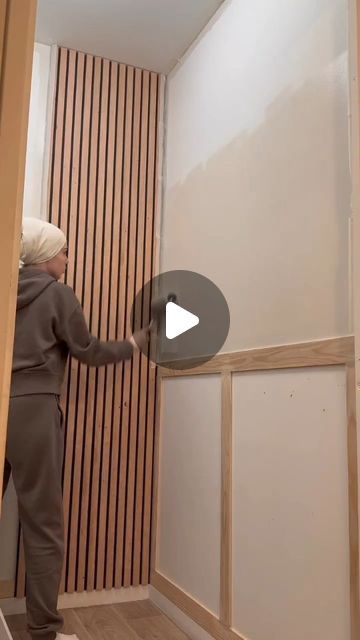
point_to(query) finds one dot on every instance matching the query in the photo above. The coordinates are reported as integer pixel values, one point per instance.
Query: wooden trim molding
(353, 479)
(316, 353)
(354, 425)
(226, 501)
(17, 27)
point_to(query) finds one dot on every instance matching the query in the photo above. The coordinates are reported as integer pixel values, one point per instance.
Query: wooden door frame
(17, 32)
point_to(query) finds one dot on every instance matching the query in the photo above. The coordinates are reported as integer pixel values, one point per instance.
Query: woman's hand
(140, 338)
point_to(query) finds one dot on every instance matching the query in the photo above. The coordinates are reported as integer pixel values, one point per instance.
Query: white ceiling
(152, 34)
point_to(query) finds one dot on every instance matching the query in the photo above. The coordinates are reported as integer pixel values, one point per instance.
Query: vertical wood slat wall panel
(103, 193)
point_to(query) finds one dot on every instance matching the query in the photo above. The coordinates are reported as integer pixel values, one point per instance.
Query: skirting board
(191, 628)
(4, 629)
(12, 606)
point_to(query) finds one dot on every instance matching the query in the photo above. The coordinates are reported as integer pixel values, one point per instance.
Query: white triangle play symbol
(178, 320)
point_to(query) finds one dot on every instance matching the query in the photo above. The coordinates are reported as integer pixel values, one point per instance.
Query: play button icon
(178, 320)
(189, 316)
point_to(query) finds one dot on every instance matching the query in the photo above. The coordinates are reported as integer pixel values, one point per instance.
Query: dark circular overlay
(196, 294)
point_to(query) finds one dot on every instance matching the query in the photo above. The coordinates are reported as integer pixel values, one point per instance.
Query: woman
(49, 325)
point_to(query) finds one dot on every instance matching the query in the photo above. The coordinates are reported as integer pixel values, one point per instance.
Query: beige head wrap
(40, 241)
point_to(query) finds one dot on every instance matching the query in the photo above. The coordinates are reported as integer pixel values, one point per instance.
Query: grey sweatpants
(34, 451)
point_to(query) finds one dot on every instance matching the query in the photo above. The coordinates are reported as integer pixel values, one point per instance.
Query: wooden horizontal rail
(317, 353)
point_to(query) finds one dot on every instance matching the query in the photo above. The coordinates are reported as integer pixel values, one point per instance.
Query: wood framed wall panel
(331, 352)
(102, 193)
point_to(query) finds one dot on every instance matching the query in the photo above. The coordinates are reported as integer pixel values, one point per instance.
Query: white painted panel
(257, 193)
(189, 487)
(290, 543)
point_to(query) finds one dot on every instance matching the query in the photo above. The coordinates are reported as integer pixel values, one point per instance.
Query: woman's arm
(71, 328)
(88, 349)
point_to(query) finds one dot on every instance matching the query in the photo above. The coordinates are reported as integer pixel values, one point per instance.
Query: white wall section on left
(38, 142)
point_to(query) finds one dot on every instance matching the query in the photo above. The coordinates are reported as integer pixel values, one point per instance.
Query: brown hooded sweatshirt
(50, 325)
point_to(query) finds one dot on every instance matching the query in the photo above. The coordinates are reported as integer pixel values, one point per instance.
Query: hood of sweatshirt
(32, 283)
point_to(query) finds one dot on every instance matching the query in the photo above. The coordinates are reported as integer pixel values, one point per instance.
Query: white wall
(38, 143)
(257, 193)
(257, 197)
(190, 487)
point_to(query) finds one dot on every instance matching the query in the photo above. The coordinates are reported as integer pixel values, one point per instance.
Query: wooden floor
(128, 621)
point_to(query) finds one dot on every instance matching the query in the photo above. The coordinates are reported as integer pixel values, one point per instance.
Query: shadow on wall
(266, 218)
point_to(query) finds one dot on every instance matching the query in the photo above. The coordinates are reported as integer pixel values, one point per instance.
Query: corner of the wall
(191, 628)
(48, 132)
(161, 171)
(209, 25)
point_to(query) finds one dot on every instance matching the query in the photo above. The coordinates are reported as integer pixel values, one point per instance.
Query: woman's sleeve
(72, 329)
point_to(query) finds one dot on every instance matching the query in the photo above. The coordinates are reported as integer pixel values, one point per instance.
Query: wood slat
(132, 396)
(142, 313)
(89, 374)
(99, 321)
(105, 330)
(123, 328)
(102, 189)
(79, 282)
(63, 222)
(115, 329)
(73, 225)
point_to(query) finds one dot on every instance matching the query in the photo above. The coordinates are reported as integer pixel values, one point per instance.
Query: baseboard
(191, 628)
(4, 629)
(11, 606)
